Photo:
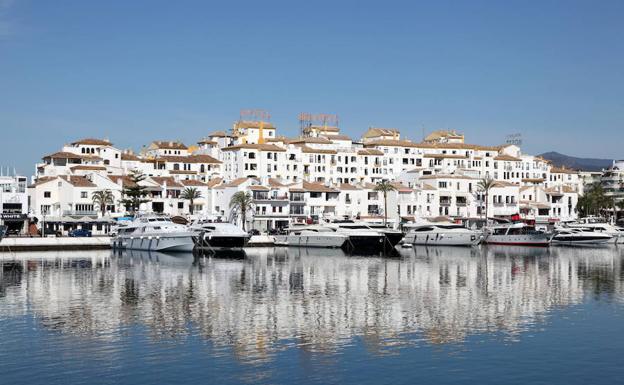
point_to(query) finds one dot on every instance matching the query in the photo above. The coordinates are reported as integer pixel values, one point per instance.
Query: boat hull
(536, 240)
(571, 240)
(317, 241)
(442, 239)
(222, 242)
(366, 244)
(177, 243)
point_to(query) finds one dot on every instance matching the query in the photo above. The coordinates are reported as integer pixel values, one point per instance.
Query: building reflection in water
(316, 300)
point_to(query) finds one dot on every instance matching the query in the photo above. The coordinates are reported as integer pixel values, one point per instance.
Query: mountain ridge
(583, 164)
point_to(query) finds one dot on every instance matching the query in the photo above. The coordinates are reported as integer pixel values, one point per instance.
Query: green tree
(190, 194)
(484, 186)
(103, 198)
(384, 187)
(133, 193)
(241, 203)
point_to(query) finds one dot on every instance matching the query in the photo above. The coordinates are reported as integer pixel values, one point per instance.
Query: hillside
(585, 164)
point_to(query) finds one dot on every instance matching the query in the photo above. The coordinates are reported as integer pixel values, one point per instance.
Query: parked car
(253, 232)
(80, 233)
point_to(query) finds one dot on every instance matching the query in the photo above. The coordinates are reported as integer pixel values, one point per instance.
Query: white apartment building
(319, 176)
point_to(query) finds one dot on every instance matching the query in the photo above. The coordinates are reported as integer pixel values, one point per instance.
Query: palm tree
(384, 187)
(241, 202)
(484, 186)
(191, 193)
(102, 199)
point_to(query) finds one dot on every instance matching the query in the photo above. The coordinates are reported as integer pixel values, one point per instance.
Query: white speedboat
(517, 234)
(392, 236)
(311, 236)
(580, 236)
(219, 235)
(441, 234)
(154, 233)
(599, 225)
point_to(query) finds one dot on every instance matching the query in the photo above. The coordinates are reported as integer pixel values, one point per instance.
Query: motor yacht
(580, 236)
(392, 236)
(218, 235)
(441, 234)
(154, 233)
(599, 225)
(517, 234)
(360, 237)
(311, 236)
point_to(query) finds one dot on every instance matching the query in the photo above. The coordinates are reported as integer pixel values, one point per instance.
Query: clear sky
(134, 71)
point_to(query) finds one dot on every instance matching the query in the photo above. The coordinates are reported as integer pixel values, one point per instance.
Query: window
(180, 205)
(47, 194)
(84, 194)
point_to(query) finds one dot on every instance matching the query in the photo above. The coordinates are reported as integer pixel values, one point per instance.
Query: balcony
(445, 202)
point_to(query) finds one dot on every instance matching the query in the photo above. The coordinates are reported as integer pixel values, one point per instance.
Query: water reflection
(317, 300)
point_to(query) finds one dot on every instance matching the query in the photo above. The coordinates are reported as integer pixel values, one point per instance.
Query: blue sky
(134, 71)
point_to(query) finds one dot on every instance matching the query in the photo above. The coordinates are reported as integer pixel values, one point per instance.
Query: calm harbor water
(431, 315)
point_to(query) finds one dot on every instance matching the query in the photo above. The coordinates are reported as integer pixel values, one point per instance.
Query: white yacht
(154, 233)
(599, 225)
(580, 236)
(360, 237)
(441, 234)
(218, 235)
(311, 236)
(517, 234)
(393, 236)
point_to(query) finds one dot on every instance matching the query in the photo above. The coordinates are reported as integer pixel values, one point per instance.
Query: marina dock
(54, 243)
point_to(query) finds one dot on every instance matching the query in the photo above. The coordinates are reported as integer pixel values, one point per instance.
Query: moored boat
(311, 236)
(580, 236)
(517, 234)
(154, 233)
(441, 234)
(219, 235)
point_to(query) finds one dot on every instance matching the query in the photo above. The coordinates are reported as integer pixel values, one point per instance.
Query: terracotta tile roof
(214, 182)
(400, 187)
(92, 142)
(370, 151)
(86, 167)
(311, 140)
(64, 155)
(502, 183)
(78, 181)
(182, 172)
(258, 188)
(273, 182)
(391, 143)
(129, 156)
(199, 158)
(426, 186)
(506, 157)
(161, 180)
(259, 147)
(533, 180)
(193, 183)
(311, 150)
(219, 134)
(347, 187)
(338, 137)
(208, 141)
(42, 180)
(317, 187)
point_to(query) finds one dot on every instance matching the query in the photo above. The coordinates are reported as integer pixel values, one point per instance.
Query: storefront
(15, 223)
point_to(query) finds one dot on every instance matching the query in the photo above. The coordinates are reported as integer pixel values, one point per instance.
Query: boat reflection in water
(311, 299)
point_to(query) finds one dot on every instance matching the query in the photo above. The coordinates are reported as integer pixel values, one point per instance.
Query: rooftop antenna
(514, 139)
